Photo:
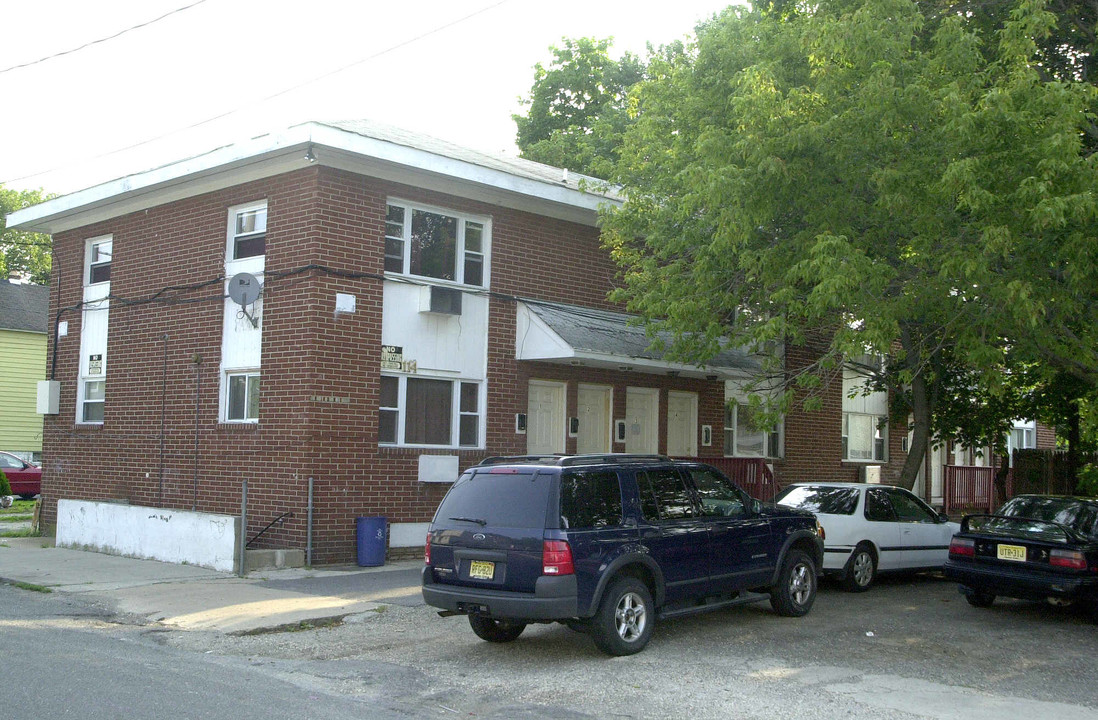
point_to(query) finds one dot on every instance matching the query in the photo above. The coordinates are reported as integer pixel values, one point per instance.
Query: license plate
(1011, 552)
(482, 569)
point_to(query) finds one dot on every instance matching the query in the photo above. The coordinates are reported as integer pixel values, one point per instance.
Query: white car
(872, 528)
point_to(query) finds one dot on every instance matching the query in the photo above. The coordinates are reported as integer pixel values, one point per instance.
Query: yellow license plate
(482, 569)
(1012, 552)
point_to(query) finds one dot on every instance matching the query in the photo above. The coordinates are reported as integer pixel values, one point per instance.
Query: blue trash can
(371, 541)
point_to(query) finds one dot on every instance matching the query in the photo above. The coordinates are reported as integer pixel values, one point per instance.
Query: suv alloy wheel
(623, 624)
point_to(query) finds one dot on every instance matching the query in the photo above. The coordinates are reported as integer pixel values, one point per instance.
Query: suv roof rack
(569, 460)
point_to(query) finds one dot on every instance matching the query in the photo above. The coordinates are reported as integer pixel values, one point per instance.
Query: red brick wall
(813, 439)
(315, 216)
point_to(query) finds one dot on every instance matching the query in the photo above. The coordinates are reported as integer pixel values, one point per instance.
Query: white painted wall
(445, 346)
(178, 536)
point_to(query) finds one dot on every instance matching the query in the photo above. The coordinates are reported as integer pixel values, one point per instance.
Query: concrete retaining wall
(178, 536)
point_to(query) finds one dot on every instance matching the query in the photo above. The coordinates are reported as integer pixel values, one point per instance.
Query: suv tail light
(556, 558)
(962, 546)
(427, 550)
(1068, 558)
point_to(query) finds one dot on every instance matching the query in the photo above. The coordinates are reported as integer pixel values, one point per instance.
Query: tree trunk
(1074, 439)
(1001, 476)
(920, 411)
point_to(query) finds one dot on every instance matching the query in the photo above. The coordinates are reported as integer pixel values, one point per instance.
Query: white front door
(642, 406)
(545, 418)
(593, 411)
(682, 424)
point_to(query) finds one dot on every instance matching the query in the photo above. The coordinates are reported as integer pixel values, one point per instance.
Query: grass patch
(30, 586)
(21, 533)
(19, 507)
(15, 518)
(294, 627)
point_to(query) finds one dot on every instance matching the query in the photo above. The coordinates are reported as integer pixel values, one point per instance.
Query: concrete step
(273, 558)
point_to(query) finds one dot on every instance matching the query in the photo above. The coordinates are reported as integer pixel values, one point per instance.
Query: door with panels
(545, 418)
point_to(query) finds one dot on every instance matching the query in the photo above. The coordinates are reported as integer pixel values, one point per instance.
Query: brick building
(423, 306)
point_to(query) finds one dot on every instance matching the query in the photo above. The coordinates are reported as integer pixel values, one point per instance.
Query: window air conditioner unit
(440, 300)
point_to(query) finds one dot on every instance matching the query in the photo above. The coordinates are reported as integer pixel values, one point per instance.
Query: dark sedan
(1037, 547)
(25, 478)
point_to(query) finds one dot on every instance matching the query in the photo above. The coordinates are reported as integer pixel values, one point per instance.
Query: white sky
(452, 69)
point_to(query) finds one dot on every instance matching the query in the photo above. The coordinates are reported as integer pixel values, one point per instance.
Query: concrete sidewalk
(194, 598)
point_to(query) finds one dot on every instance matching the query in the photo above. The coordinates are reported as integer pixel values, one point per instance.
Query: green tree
(24, 253)
(577, 107)
(907, 186)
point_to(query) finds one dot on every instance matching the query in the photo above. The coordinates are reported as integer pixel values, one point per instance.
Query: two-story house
(375, 311)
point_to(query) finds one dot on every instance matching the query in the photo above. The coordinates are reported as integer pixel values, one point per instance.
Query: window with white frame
(1022, 437)
(247, 231)
(91, 386)
(864, 437)
(99, 261)
(746, 436)
(242, 396)
(865, 416)
(433, 243)
(241, 339)
(430, 411)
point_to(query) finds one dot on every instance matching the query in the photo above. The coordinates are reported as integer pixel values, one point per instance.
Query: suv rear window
(590, 499)
(498, 498)
(826, 500)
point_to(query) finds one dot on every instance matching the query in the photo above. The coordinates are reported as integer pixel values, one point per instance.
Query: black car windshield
(500, 497)
(820, 499)
(1082, 517)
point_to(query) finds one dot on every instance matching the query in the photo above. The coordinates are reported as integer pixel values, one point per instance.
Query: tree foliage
(577, 107)
(907, 185)
(23, 253)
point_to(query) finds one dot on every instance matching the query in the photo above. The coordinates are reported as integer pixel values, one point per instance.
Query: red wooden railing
(751, 474)
(967, 488)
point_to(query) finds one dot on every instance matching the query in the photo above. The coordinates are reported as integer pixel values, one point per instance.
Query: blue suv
(609, 543)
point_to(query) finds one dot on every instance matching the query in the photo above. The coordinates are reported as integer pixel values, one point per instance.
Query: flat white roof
(363, 147)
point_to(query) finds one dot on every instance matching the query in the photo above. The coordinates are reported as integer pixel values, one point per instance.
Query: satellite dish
(244, 289)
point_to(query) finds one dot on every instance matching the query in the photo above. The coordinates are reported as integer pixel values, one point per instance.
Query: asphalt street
(909, 648)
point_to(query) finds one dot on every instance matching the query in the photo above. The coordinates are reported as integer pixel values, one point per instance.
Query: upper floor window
(99, 261)
(435, 244)
(247, 231)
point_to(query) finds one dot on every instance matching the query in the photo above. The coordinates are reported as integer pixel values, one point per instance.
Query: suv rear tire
(623, 623)
(495, 631)
(795, 591)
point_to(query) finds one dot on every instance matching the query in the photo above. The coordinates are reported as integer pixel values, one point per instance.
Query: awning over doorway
(580, 336)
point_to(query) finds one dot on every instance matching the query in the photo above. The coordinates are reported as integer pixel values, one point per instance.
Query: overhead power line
(101, 40)
(252, 103)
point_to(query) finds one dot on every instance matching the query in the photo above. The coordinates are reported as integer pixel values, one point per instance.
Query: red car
(25, 478)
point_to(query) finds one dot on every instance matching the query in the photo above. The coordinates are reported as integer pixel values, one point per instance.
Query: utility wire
(101, 40)
(253, 103)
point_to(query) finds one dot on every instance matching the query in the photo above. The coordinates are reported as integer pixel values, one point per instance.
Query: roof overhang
(428, 167)
(581, 337)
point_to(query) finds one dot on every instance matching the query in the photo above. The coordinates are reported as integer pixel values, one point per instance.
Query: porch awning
(580, 336)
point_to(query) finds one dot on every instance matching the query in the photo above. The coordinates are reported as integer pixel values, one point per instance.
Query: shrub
(1088, 481)
(5, 486)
